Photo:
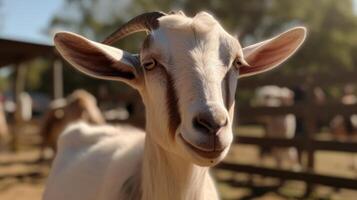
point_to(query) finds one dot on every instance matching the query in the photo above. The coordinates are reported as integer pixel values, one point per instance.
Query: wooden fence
(310, 113)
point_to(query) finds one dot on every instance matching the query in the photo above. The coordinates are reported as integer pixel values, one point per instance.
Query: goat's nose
(210, 122)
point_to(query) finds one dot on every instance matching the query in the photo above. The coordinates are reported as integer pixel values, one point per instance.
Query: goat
(280, 126)
(186, 74)
(80, 105)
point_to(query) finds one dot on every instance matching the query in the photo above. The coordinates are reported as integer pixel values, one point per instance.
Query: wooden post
(310, 125)
(57, 79)
(19, 87)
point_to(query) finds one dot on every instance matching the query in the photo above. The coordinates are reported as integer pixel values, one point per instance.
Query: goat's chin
(197, 156)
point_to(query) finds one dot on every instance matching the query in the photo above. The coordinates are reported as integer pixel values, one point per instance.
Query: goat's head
(186, 73)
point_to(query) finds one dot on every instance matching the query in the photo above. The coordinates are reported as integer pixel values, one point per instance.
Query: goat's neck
(168, 176)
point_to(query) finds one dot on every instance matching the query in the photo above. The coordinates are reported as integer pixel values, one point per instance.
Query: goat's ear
(270, 53)
(98, 60)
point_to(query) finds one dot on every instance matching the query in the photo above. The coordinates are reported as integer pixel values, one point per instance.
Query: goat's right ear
(98, 60)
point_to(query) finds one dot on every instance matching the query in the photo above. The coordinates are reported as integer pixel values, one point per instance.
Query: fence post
(19, 87)
(310, 125)
(57, 79)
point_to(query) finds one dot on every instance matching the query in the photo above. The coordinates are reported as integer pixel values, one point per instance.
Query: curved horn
(143, 22)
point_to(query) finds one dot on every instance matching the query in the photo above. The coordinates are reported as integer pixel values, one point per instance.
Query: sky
(26, 20)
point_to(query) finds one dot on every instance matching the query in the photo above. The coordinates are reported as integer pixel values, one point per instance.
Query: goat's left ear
(270, 53)
(98, 60)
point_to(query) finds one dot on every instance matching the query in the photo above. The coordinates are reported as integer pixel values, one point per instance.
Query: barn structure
(16, 54)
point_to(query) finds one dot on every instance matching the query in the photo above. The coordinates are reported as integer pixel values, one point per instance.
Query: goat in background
(78, 106)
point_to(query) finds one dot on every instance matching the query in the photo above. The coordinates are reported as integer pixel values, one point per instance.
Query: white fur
(94, 161)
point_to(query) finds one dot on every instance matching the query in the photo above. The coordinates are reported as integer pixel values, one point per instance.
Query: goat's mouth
(205, 154)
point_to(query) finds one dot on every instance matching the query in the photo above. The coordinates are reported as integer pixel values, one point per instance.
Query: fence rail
(300, 144)
(331, 109)
(310, 177)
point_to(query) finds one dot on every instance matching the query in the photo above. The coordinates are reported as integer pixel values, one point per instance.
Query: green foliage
(332, 27)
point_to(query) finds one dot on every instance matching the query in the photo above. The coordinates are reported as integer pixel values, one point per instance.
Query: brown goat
(79, 106)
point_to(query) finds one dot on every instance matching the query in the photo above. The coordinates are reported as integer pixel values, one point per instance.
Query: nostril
(202, 124)
(207, 123)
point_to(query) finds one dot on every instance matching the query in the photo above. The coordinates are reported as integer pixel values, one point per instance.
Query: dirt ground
(21, 178)
(22, 191)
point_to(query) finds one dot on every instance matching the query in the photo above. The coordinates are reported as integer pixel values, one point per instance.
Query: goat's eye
(150, 64)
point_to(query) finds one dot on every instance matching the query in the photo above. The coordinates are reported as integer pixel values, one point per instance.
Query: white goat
(278, 126)
(186, 74)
